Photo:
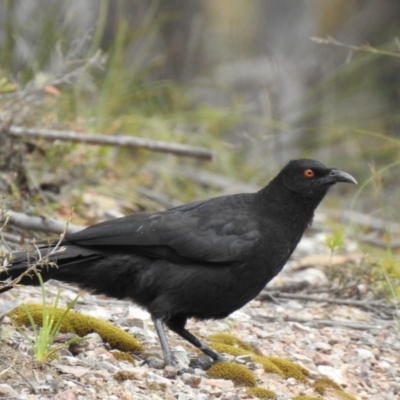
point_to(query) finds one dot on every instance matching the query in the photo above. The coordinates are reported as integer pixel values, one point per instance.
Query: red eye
(309, 173)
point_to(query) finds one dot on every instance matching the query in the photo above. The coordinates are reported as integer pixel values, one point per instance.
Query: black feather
(204, 260)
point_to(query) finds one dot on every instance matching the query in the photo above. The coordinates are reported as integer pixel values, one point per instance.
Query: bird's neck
(291, 207)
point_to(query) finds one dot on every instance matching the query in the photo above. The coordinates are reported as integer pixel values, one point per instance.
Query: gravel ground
(357, 347)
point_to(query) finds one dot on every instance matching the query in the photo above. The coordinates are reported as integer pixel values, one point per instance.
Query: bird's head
(311, 178)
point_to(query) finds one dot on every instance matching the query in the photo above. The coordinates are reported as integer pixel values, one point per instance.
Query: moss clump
(227, 349)
(231, 340)
(324, 384)
(268, 365)
(81, 325)
(306, 398)
(290, 369)
(321, 385)
(239, 374)
(122, 356)
(280, 366)
(262, 393)
(343, 395)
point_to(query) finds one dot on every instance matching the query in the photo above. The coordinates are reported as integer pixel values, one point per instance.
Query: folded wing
(206, 231)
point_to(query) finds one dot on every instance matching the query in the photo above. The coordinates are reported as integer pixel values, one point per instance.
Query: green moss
(231, 340)
(268, 365)
(123, 356)
(321, 385)
(280, 366)
(227, 349)
(290, 369)
(239, 374)
(81, 325)
(343, 395)
(262, 393)
(325, 385)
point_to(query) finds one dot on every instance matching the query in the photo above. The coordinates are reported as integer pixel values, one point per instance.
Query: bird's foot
(204, 362)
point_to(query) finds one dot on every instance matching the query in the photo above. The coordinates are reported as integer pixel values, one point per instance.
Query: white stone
(364, 354)
(331, 373)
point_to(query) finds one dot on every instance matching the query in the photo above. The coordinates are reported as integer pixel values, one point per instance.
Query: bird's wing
(211, 231)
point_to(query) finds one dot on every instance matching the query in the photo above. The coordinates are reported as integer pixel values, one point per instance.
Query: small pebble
(191, 380)
(170, 372)
(7, 391)
(156, 363)
(364, 354)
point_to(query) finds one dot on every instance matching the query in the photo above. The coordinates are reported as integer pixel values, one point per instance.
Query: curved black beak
(340, 176)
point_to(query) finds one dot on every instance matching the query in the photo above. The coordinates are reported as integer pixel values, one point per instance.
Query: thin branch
(372, 305)
(362, 48)
(35, 266)
(317, 321)
(40, 223)
(116, 140)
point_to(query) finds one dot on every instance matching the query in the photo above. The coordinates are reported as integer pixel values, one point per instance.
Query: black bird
(201, 260)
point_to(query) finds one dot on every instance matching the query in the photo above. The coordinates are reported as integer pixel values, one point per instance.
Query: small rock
(321, 359)
(156, 363)
(7, 391)
(135, 312)
(152, 377)
(81, 346)
(282, 397)
(299, 327)
(184, 396)
(230, 396)
(219, 383)
(243, 359)
(201, 396)
(191, 380)
(143, 335)
(99, 312)
(95, 338)
(103, 354)
(292, 381)
(67, 360)
(67, 395)
(202, 361)
(331, 373)
(382, 366)
(364, 354)
(181, 359)
(126, 396)
(199, 372)
(323, 346)
(169, 372)
(151, 353)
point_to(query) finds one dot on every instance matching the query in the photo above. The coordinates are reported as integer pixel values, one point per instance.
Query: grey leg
(158, 324)
(185, 334)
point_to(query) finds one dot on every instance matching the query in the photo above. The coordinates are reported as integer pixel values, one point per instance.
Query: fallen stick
(324, 322)
(39, 223)
(116, 140)
(372, 305)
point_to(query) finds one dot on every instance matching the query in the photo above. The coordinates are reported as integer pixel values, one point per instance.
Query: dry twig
(116, 140)
(39, 223)
(317, 321)
(371, 305)
(20, 374)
